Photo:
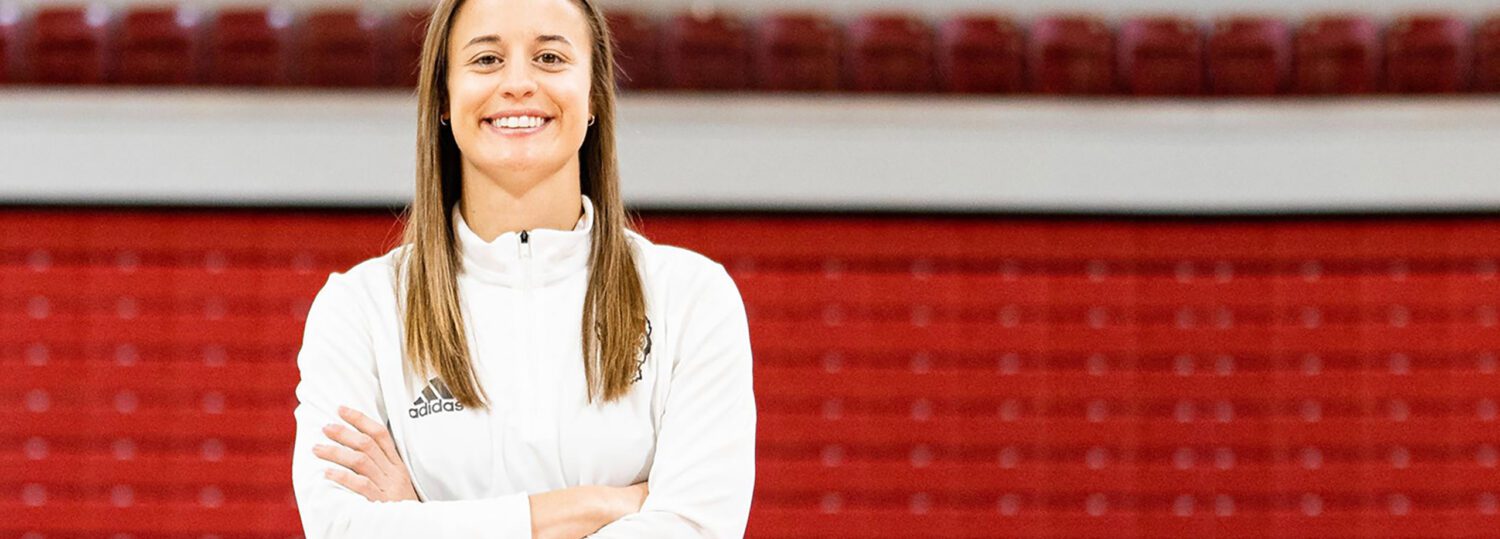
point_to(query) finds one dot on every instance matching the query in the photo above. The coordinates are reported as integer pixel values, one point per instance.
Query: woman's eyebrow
(492, 38)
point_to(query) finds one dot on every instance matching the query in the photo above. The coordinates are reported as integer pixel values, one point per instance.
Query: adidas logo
(436, 398)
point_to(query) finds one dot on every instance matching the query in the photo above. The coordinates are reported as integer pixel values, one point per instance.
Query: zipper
(529, 414)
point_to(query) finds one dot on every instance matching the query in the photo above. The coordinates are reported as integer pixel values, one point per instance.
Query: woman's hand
(627, 500)
(372, 467)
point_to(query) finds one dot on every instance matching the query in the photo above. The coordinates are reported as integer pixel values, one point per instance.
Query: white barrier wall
(767, 152)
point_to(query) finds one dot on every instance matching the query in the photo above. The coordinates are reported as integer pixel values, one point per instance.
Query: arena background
(1135, 278)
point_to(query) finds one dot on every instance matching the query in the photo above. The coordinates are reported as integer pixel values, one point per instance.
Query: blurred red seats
(1071, 54)
(1249, 56)
(1337, 54)
(248, 47)
(342, 48)
(1161, 56)
(1487, 56)
(408, 30)
(1430, 54)
(161, 46)
(71, 45)
(889, 52)
(10, 29)
(981, 54)
(705, 51)
(637, 50)
(797, 51)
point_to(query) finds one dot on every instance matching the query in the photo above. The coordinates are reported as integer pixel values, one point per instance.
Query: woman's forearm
(572, 513)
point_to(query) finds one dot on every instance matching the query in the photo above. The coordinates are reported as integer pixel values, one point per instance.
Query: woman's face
(518, 85)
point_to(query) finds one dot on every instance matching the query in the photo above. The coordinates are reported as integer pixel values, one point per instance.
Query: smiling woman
(524, 364)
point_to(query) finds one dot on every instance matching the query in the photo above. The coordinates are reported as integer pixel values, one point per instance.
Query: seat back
(889, 52)
(797, 52)
(981, 54)
(162, 46)
(1249, 56)
(1071, 54)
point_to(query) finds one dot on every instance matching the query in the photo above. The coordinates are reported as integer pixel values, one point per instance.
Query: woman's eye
(481, 60)
(550, 58)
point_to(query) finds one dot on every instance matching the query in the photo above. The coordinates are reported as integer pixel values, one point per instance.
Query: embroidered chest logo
(436, 398)
(645, 351)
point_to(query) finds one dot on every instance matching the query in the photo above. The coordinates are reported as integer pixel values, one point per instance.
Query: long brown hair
(614, 314)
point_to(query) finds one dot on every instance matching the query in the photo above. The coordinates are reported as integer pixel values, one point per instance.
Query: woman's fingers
(358, 483)
(366, 451)
(361, 450)
(355, 461)
(374, 430)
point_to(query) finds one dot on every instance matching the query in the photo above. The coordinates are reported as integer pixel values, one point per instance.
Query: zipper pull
(525, 244)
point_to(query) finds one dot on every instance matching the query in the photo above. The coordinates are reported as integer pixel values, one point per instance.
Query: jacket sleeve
(337, 365)
(704, 469)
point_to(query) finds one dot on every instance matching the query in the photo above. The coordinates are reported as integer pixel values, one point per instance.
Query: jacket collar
(549, 255)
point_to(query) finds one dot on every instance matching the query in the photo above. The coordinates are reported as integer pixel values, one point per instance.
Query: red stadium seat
(10, 29)
(71, 45)
(1249, 56)
(1487, 56)
(981, 54)
(342, 48)
(1337, 54)
(797, 51)
(1428, 54)
(706, 51)
(161, 46)
(637, 50)
(407, 33)
(1071, 54)
(889, 52)
(1161, 56)
(249, 47)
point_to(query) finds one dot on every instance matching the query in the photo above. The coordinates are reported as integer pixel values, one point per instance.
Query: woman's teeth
(518, 122)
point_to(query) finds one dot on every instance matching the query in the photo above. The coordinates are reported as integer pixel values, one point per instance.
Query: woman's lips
(516, 131)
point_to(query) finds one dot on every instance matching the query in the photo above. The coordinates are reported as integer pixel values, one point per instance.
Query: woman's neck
(491, 210)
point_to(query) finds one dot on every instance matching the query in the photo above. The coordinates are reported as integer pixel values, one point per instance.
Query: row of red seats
(878, 52)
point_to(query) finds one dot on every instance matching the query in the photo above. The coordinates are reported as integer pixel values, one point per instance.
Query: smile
(518, 125)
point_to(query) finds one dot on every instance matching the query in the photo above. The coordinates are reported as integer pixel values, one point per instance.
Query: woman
(446, 387)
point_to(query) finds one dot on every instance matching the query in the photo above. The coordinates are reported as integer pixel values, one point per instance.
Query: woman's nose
(517, 82)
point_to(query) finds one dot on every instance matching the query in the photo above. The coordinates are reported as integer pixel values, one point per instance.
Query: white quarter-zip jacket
(687, 423)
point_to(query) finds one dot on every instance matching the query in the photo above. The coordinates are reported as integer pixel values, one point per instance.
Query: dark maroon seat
(342, 48)
(981, 54)
(10, 35)
(705, 52)
(1337, 54)
(797, 52)
(71, 45)
(407, 32)
(1071, 54)
(1487, 56)
(162, 46)
(637, 49)
(1249, 56)
(889, 52)
(1161, 56)
(1428, 54)
(249, 47)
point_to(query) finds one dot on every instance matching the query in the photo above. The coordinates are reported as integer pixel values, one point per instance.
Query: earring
(443, 121)
(591, 119)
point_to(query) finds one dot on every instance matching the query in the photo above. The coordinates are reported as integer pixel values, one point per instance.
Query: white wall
(780, 152)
